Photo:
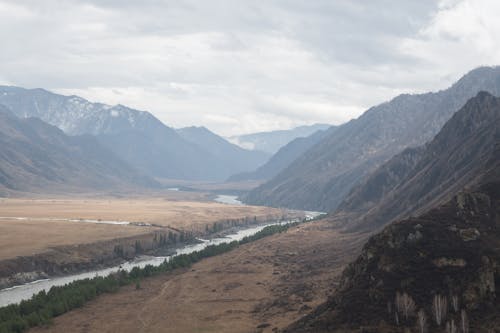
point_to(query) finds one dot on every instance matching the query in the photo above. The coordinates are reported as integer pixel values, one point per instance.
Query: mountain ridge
(321, 178)
(135, 136)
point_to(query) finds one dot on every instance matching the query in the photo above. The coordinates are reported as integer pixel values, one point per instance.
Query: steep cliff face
(448, 258)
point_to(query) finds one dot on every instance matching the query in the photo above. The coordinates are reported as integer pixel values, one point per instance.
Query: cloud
(244, 66)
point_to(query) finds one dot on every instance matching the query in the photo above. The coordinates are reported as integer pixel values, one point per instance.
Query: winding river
(25, 291)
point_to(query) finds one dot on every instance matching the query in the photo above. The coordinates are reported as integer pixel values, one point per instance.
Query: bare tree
(439, 308)
(464, 322)
(422, 321)
(451, 327)
(405, 305)
(454, 303)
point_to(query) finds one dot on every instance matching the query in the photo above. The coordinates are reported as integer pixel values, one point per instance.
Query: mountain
(445, 261)
(135, 136)
(325, 174)
(283, 158)
(36, 156)
(233, 157)
(271, 142)
(420, 178)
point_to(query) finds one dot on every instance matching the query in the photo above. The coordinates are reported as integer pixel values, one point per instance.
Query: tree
(454, 303)
(422, 321)
(440, 309)
(405, 305)
(464, 322)
(451, 327)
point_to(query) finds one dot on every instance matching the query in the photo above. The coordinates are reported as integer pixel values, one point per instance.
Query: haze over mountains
(283, 157)
(137, 137)
(271, 142)
(325, 174)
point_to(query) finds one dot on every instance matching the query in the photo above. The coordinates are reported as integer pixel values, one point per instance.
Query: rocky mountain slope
(325, 174)
(135, 136)
(283, 158)
(36, 157)
(271, 142)
(432, 273)
(420, 178)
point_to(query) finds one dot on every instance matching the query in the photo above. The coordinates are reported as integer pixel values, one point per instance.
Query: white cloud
(244, 66)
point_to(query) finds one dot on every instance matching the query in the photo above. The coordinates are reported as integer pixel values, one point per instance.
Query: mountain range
(325, 174)
(137, 137)
(271, 142)
(420, 178)
(36, 156)
(447, 257)
(283, 158)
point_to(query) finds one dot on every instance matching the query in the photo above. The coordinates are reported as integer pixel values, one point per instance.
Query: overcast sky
(245, 66)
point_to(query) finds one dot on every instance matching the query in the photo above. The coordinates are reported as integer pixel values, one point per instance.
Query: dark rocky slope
(325, 174)
(420, 178)
(451, 252)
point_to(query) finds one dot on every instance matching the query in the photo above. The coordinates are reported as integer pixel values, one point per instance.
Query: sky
(245, 66)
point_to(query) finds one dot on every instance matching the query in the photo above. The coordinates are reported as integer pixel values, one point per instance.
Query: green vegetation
(42, 307)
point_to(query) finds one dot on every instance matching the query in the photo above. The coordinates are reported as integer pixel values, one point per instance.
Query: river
(228, 199)
(26, 291)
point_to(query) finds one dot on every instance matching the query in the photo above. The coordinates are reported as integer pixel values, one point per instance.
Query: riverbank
(45, 305)
(257, 287)
(41, 238)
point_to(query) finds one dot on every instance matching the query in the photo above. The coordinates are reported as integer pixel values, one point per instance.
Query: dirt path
(258, 287)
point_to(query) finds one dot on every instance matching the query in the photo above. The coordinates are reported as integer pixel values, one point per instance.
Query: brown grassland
(259, 287)
(40, 232)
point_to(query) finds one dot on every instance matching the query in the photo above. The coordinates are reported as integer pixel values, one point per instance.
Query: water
(26, 291)
(228, 199)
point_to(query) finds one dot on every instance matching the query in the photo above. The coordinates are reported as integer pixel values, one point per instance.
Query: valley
(259, 287)
(52, 237)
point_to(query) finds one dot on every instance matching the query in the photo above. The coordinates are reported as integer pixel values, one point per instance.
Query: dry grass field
(259, 287)
(38, 230)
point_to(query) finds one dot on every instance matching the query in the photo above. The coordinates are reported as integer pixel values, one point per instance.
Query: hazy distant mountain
(232, 156)
(324, 175)
(36, 156)
(271, 142)
(135, 136)
(418, 179)
(283, 158)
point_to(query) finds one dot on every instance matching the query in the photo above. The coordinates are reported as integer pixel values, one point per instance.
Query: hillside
(325, 174)
(420, 178)
(271, 142)
(38, 157)
(233, 157)
(444, 261)
(135, 136)
(283, 158)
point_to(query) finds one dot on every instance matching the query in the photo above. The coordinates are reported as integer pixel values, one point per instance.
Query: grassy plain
(30, 226)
